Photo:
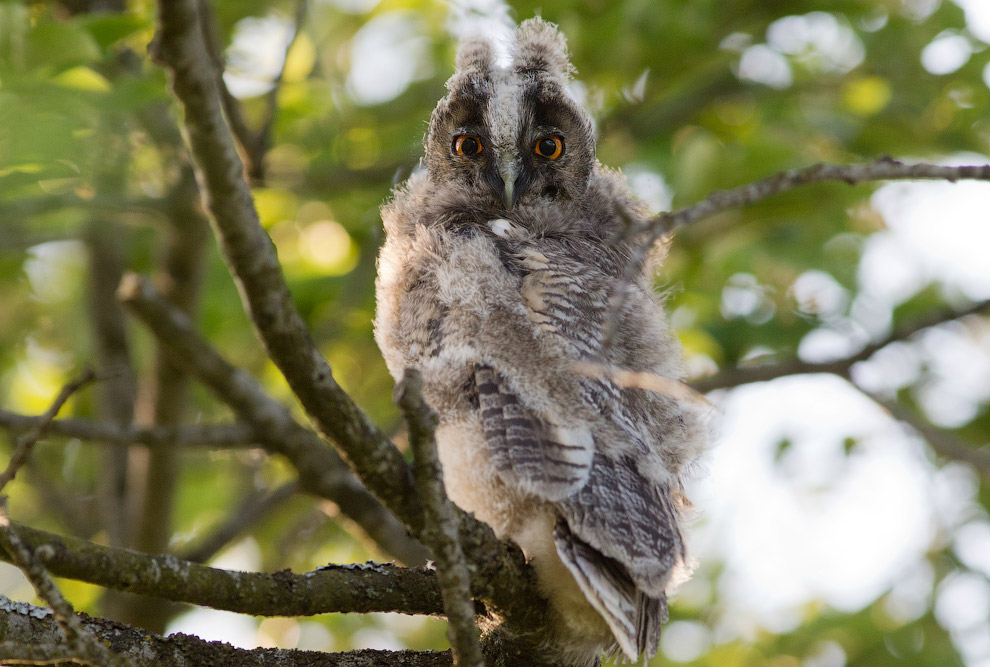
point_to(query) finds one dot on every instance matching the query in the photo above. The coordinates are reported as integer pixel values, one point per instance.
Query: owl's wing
(618, 536)
(547, 460)
(617, 531)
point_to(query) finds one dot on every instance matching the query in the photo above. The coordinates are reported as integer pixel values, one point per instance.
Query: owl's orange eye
(551, 147)
(467, 144)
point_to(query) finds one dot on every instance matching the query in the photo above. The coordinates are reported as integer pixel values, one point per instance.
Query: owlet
(504, 280)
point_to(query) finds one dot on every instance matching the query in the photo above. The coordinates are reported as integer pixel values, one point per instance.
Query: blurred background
(842, 518)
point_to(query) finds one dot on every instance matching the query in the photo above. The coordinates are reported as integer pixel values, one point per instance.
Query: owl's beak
(509, 171)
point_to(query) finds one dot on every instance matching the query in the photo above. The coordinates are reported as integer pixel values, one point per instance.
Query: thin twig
(442, 523)
(211, 436)
(252, 510)
(747, 374)
(26, 442)
(30, 559)
(942, 442)
(264, 136)
(883, 169)
(642, 239)
(254, 145)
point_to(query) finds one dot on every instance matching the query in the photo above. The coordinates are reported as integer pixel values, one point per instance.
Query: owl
(503, 279)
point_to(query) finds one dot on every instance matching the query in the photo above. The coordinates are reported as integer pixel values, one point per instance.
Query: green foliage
(87, 137)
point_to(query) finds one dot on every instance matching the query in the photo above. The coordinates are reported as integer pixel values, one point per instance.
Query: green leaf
(57, 46)
(107, 29)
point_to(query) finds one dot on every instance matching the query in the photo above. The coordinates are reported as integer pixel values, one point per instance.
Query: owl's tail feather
(633, 616)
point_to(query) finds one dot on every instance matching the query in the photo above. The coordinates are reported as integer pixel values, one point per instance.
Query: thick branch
(442, 522)
(884, 169)
(320, 468)
(212, 436)
(746, 374)
(360, 588)
(27, 652)
(22, 624)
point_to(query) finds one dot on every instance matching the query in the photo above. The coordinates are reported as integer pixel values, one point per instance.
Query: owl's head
(512, 134)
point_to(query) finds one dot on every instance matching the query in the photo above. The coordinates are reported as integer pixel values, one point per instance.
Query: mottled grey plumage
(498, 279)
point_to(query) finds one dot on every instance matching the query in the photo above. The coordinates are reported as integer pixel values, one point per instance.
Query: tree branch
(360, 588)
(264, 136)
(17, 209)
(321, 470)
(27, 652)
(231, 105)
(22, 624)
(179, 273)
(884, 169)
(942, 442)
(643, 237)
(747, 374)
(442, 523)
(212, 436)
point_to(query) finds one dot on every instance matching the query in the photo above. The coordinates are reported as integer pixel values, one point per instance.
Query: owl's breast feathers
(504, 327)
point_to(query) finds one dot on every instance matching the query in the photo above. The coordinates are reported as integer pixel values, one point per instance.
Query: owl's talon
(504, 228)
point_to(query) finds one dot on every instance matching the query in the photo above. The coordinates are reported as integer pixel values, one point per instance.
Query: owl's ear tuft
(541, 47)
(475, 56)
